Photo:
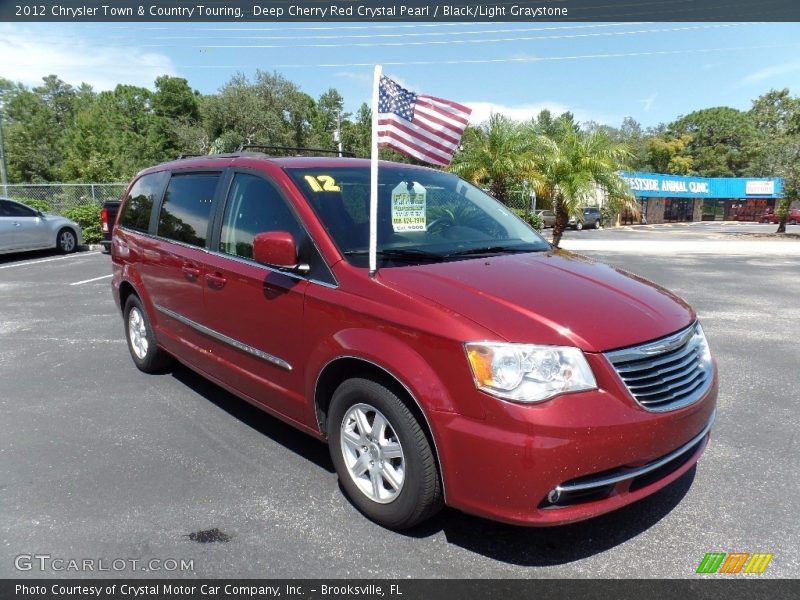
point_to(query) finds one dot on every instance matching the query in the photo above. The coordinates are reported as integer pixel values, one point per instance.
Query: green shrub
(88, 217)
(532, 219)
(608, 217)
(36, 204)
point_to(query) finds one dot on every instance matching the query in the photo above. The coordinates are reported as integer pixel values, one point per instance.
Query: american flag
(424, 127)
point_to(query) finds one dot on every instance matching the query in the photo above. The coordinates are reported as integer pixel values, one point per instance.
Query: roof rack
(182, 156)
(292, 149)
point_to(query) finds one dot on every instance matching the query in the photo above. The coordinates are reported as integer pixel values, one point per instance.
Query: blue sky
(653, 72)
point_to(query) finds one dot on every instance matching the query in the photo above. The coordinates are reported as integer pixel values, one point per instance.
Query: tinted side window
(254, 206)
(186, 209)
(12, 209)
(139, 203)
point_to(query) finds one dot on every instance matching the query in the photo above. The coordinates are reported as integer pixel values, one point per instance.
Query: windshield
(423, 216)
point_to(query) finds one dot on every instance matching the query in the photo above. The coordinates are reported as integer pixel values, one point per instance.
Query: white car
(24, 228)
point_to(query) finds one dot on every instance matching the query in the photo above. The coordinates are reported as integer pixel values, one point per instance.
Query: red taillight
(104, 219)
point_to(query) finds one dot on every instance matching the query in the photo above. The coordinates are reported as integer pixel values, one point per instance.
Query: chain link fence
(519, 200)
(63, 196)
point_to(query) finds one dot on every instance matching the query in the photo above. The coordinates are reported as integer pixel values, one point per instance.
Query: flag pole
(373, 177)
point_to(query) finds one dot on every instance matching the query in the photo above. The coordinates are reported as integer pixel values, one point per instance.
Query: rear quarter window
(138, 205)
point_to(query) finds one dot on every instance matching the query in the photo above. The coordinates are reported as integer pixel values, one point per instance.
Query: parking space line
(44, 260)
(91, 280)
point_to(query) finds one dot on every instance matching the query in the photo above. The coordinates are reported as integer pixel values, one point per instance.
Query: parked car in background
(108, 216)
(24, 228)
(590, 218)
(793, 218)
(470, 368)
(548, 218)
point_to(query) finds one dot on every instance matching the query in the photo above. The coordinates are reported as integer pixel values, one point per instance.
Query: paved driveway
(98, 460)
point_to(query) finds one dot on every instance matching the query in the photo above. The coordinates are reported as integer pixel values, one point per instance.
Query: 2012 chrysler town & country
(478, 367)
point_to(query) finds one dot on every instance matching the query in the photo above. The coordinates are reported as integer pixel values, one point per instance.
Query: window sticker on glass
(408, 207)
(322, 183)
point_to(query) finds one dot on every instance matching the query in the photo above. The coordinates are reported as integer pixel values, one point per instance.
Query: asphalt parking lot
(98, 460)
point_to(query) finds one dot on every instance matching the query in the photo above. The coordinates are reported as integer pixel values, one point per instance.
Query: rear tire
(146, 354)
(66, 241)
(382, 455)
(597, 224)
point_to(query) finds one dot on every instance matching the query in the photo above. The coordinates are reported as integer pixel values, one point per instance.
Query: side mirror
(277, 249)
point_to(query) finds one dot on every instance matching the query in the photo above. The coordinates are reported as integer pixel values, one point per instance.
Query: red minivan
(478, 367)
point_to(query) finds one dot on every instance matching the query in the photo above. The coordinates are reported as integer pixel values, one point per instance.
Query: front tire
(146, 354)
(382, 455)
(579, 226)
(66, 241)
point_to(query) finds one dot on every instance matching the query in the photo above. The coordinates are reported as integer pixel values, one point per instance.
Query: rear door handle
(215, 281)
(190, 271)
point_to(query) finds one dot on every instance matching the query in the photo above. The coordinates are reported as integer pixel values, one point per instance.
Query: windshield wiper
(493, 250)
(410, 254)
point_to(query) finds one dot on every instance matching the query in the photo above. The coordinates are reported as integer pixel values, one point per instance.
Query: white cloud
(647, 103)
(27, 56)
(481, 111)
(770, 72)
(362, 77)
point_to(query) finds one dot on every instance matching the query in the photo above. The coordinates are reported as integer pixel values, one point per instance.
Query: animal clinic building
(678, 198)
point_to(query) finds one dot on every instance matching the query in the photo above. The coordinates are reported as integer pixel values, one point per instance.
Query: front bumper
(571, 458)
(627, 478)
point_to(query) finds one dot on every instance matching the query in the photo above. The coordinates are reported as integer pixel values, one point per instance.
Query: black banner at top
(396, 10)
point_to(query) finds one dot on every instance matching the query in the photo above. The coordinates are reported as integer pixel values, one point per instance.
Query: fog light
(554, 496)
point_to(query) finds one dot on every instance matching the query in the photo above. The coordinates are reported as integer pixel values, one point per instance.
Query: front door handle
(215, 281)
(190, 271)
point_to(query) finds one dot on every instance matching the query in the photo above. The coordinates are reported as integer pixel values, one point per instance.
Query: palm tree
(572, 166)
(496, 155)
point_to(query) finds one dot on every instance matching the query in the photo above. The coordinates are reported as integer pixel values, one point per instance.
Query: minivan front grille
(667, 373)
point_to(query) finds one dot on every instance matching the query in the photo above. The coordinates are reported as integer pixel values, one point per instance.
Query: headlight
(526, 372)
(701, 343)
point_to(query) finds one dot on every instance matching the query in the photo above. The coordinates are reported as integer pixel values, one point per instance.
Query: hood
(553, 297)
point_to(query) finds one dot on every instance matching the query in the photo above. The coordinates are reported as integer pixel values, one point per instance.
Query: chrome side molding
(266, 356)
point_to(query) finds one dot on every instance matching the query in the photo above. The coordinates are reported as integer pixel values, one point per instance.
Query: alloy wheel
(372, 453)
(137, 332)
(67, 241)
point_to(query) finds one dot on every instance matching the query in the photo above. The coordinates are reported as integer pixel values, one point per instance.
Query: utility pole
(3, 169)
(337, 135)
(530, 191)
